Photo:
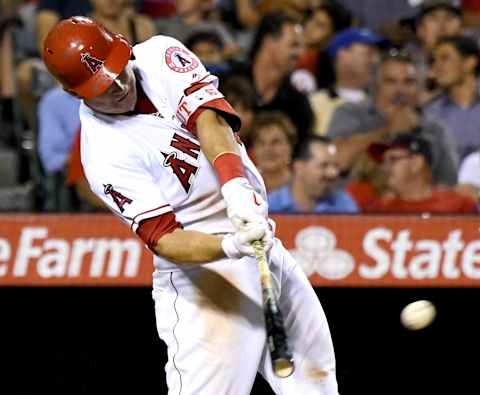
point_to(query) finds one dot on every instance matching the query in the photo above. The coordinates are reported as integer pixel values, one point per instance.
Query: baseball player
(158, 147)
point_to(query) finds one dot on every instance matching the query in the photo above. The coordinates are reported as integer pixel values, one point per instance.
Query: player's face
(120, 97)
(271, 149)
(319, 173)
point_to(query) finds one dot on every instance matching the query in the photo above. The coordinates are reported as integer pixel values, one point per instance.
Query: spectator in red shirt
(406, 163)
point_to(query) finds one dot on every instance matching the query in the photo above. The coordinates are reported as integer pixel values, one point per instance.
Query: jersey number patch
(183, 170)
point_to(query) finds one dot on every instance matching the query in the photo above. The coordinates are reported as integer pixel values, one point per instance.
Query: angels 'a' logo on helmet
(91, 62)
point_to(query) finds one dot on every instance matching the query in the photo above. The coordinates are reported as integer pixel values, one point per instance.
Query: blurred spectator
(436, 18)
(158, 8)
(366, 182)
(240, 93)
(406, 162)
(457, 66)
(208, 46)
(250, 13)
(320, 26)
(274, 53)
(49, 12)
(376, 14)
(6, 60)
(194, 15)
(354, 54)
(16, 36)
(313, 187)
(469, 175)
(272, 139)
(118, 16)
(393, 110)
(58, 123)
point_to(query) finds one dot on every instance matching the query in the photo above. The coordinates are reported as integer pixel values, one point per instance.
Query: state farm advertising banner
(370, 251)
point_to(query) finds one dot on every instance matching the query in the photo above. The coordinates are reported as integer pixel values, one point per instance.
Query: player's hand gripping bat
(282, 359)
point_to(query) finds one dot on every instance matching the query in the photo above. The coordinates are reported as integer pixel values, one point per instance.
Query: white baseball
(418, 315)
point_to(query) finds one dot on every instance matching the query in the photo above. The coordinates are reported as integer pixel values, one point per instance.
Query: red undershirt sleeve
(150, 230)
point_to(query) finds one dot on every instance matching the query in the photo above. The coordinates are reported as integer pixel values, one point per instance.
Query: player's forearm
(189, 247)
(216, 136)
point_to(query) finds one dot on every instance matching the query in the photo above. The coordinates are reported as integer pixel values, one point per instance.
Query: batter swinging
(157, 147)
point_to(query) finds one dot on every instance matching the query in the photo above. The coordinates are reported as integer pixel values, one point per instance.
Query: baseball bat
(280, 353)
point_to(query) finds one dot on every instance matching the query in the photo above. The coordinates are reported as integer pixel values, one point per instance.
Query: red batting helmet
(84, 56)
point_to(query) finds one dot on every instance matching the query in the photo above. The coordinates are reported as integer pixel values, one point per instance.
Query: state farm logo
(316, 253)
(385, 254)
(41, 255)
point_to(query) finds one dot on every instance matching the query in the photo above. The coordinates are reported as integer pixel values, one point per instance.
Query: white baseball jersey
(146, 165)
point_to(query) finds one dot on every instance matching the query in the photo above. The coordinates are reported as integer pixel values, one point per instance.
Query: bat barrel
(281, 356)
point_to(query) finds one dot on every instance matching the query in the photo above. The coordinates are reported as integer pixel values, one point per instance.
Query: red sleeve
(220, 106)
(152, 229)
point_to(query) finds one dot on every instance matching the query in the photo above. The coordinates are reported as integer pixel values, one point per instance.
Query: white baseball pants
(211, 319)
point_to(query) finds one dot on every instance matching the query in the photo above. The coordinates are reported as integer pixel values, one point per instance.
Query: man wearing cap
(159, 149)
(354, 55)
(393, 110)
(406, 162)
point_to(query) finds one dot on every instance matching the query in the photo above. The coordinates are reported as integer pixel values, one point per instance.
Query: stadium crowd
(347, 106)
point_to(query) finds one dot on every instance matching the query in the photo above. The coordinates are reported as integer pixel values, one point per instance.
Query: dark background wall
(103, 341)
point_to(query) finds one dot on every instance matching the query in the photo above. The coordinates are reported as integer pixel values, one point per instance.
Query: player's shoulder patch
(180, 60)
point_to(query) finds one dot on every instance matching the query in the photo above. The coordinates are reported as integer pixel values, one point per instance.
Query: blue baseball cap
(350, 36)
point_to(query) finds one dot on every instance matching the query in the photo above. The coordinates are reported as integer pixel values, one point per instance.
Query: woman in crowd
(272, 140)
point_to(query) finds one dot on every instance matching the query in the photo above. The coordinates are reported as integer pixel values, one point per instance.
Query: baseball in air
(418, 315)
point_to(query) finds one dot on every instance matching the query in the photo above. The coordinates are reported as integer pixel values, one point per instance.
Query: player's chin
(129, 103)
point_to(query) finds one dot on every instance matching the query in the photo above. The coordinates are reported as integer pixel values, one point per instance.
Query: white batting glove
(244, 204)
(239, 244)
